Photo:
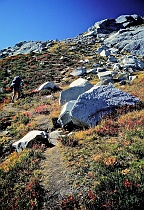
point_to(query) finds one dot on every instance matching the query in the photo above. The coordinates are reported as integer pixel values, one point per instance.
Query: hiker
(16, 86)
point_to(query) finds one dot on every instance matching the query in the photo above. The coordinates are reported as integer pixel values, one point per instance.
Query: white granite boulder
(105, 75)
(54, 137)
(48, 85)
(105, 53)
(92, 105)
(78, 72)
(76, 88)
(131, 61)
(34, 135)
(64, 117)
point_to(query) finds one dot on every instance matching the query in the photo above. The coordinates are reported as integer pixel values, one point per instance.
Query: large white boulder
(77, 87)
(92, 105)
(64, 117)
(47, 85)
(32, 135)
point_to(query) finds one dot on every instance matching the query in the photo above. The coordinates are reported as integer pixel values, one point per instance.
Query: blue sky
(42, 20)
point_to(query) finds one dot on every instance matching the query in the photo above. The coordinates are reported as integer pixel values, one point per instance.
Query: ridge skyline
(50, 20)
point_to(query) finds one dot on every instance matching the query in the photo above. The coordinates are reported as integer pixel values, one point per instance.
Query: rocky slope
(88, 59)
(125, 33)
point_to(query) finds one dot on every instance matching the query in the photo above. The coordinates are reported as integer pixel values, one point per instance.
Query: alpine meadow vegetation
(107, 161)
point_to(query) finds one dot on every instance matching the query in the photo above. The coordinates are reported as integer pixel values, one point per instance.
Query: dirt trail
(55, 178)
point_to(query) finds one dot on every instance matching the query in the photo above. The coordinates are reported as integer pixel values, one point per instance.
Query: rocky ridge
(125, 33)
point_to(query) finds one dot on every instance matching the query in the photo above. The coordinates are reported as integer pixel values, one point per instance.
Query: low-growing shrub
(19, 185)
(117, 191)
(41, 109)
(68, 141)
(107, 127)
(69, 203)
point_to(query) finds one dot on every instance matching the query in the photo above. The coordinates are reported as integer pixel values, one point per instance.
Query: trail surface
(55, 178)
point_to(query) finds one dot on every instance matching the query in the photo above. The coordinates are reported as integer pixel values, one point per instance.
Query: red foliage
(127, 183)
(92, 196)
(32, 67)
(28, 114)
(110, 128)
(42, 109)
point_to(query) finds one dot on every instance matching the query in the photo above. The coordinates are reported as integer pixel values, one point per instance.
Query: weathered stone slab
(92, 105)
(65, 117)
(34, 135)
(77, 87)
(47, 85)
(78, 72)
(105, 75)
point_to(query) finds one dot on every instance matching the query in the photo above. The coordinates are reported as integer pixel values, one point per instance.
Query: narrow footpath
(55, 178)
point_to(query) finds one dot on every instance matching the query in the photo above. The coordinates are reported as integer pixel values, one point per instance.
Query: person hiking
(16, 86)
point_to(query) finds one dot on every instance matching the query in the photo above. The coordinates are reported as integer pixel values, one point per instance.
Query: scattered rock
(105, 53)
(48, 85)
(54, 137)
(112, 59)
(105, 75)
(91, 71)
(101, 69)
(78, 72)
(131, 61)
(29, 138)
(130, 40)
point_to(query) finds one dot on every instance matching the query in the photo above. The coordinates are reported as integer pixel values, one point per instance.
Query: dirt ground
(55, 178)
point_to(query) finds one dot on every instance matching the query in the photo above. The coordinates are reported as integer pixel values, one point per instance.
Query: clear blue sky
(42, 20)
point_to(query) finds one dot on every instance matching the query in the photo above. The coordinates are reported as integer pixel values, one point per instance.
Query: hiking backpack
(16, 82)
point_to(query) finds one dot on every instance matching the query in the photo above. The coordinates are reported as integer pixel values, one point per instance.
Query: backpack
(16, 82)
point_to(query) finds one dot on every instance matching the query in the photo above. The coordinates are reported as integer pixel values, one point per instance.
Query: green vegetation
(19, 178)
(107, 161)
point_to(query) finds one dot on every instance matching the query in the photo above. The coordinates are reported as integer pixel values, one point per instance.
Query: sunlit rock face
(29, 138)
(76, 88)
(92, 105)
(98, 101)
